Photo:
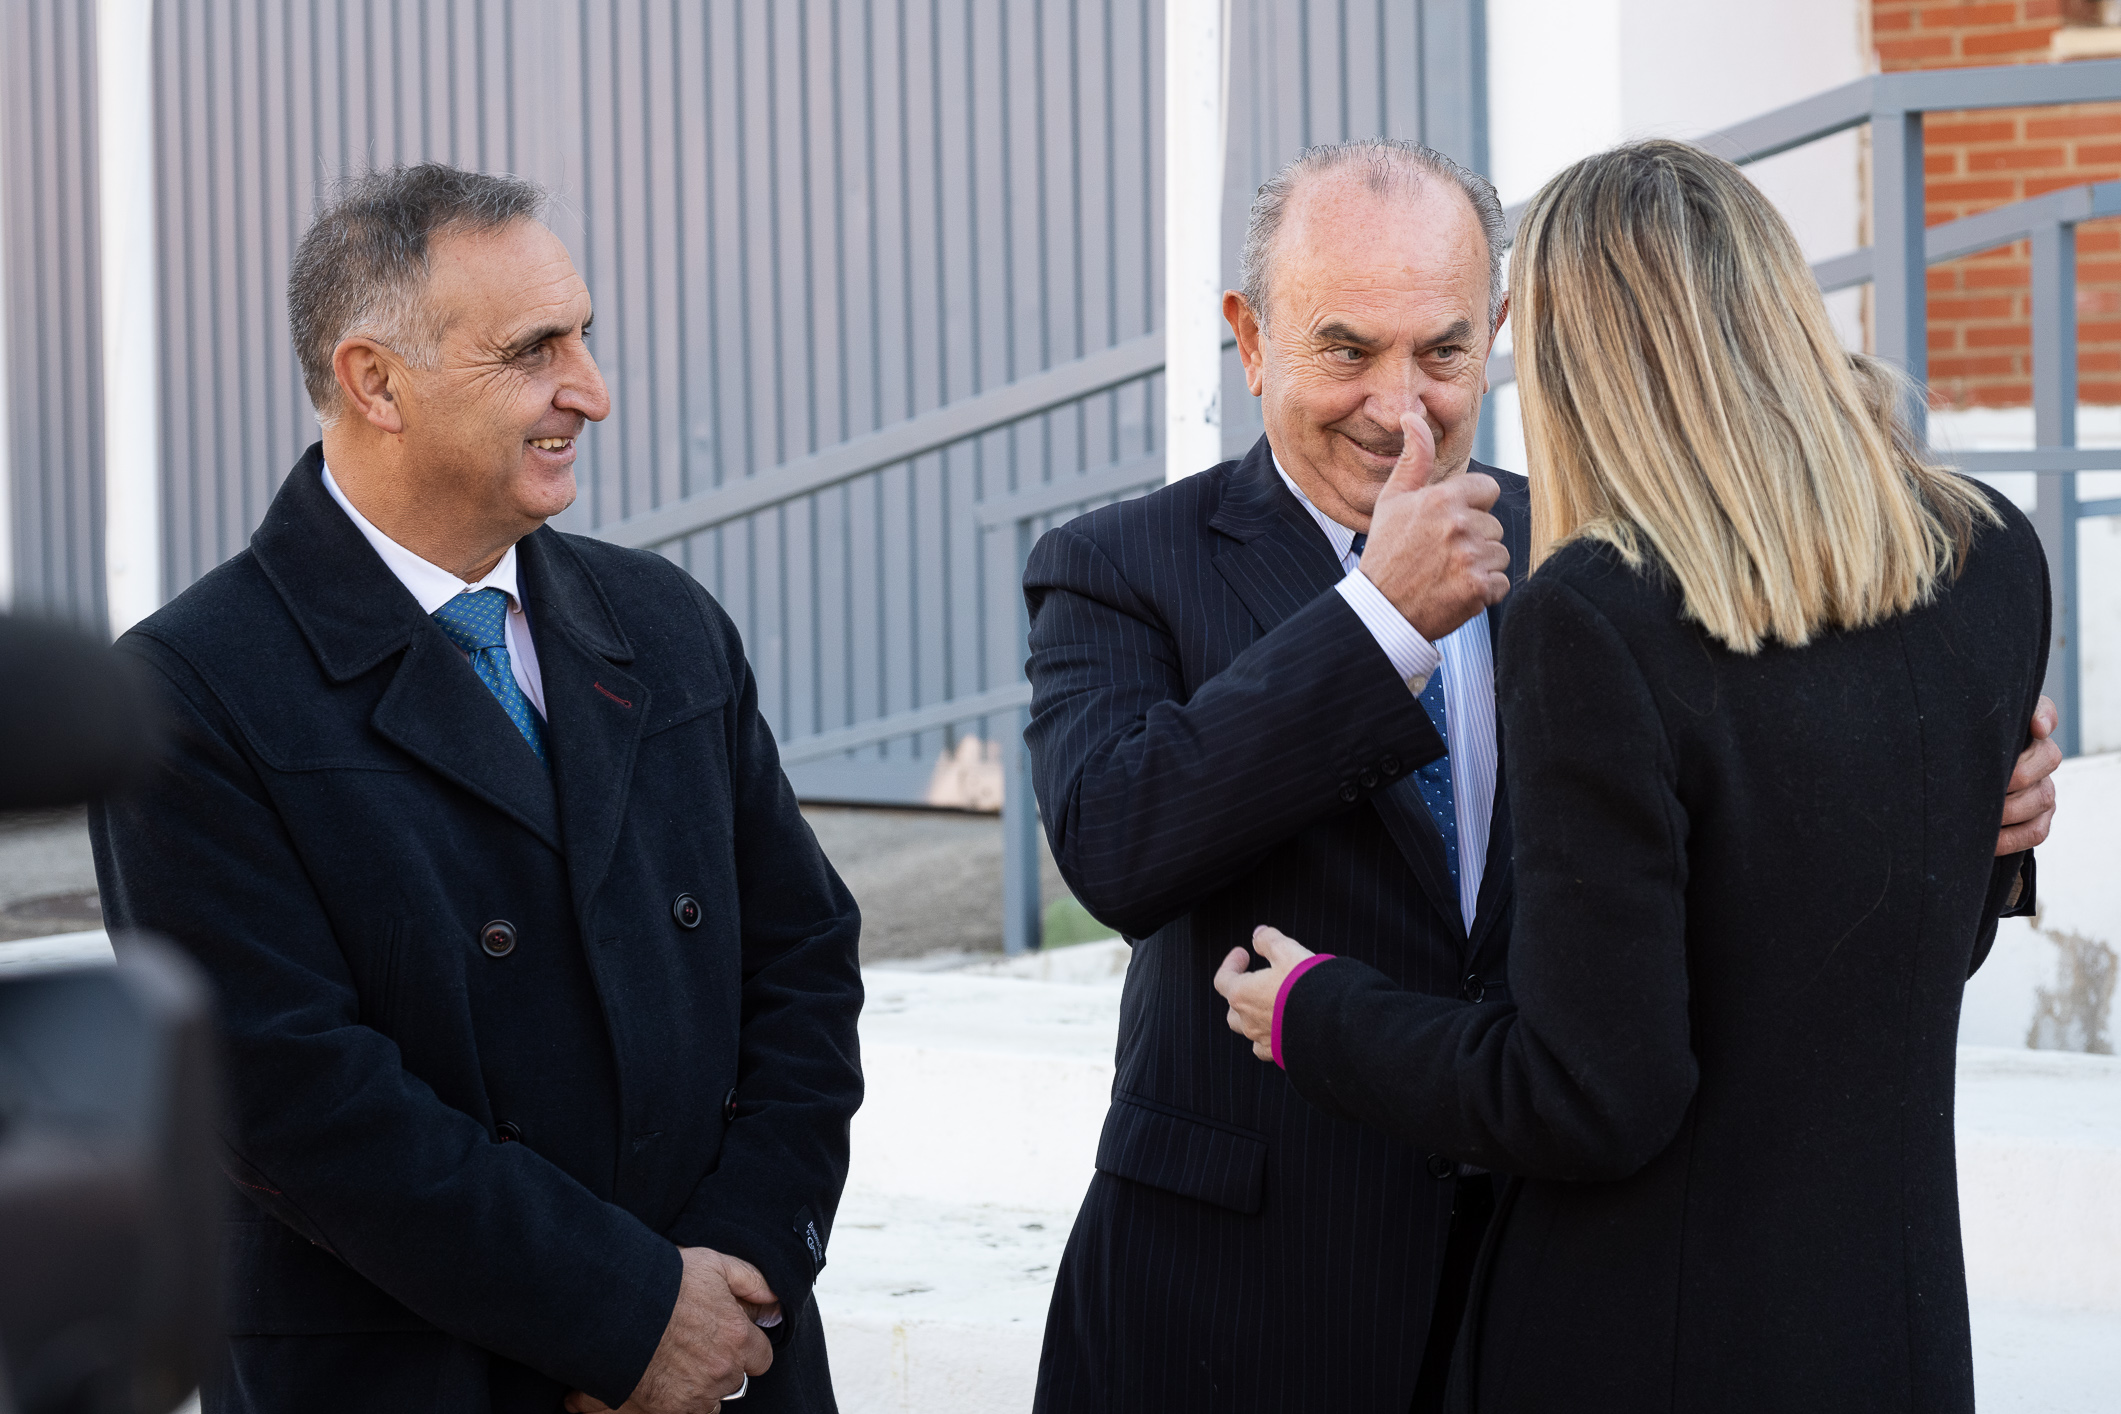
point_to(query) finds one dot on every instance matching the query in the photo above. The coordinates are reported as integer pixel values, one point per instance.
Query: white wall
(1566, 79)
(2080, 909)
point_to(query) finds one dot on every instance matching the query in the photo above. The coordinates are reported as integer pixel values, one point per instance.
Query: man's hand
(712, 1342)
(2029, 809)
(1433, 548)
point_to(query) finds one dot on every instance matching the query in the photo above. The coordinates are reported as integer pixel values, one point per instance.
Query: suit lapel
(437, 710)
(594, 708)
(1277, 560)
(1413, 829)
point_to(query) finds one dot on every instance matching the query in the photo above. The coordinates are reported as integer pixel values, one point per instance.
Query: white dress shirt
(434, 586)
(1467, 659)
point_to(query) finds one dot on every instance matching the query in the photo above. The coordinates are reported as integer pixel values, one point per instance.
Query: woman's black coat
(1750, 891)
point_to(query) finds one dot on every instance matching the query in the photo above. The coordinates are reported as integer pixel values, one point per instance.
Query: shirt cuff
(1413, 657)
(1281, 999)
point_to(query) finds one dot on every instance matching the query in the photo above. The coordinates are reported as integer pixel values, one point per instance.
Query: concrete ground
(928, 881)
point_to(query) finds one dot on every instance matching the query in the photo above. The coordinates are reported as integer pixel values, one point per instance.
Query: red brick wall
(1980, 307)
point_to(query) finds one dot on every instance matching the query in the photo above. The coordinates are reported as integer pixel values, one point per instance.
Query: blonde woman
(1759, 702)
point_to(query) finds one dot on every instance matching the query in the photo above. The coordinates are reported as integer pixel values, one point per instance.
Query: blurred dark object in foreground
(109, 1186)
(75, 719)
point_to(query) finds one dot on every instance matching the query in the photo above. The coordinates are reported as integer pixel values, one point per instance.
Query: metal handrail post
(1900, 282)
(1022, 927)
(2055, 513)
(1023, 920)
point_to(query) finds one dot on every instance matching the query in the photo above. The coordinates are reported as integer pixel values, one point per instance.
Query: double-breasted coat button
(508, 1132)
(1441, 1167)
(729, 1106)
(1475, 988)
(1390, 765)
(686, 909)
(1348, 791)
(498, 938)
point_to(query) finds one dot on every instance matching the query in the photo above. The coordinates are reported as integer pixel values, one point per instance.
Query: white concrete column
(7, 422)
(1196, 61)
(132, 484)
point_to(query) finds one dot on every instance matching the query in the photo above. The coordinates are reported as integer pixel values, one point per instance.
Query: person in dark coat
(1256, 700)
(539, 997)
(1762, 699)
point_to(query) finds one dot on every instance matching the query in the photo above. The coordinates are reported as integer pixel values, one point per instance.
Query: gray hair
(362, 265)
(1387, 165)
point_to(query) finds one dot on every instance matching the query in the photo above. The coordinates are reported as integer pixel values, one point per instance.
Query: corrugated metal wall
(800, 221)
(870, 210)
(53, 314)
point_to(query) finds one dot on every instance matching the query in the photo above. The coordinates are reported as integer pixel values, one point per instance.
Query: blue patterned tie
(1434, 779)
(477, 622)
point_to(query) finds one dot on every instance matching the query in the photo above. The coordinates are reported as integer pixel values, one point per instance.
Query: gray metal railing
(1902, 249)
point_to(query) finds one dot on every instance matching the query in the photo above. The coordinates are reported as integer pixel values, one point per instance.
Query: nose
(1398, 387)
(582, 390)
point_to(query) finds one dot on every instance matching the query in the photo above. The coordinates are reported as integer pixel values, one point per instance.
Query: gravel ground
(928, 881)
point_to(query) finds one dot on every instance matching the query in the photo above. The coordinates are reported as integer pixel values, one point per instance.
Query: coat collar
(355, 615)
(594, 708)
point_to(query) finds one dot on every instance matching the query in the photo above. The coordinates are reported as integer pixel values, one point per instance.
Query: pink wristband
(1281, 999)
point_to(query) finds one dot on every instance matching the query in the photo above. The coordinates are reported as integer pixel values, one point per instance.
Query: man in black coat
(539, 997)
(1265, 695)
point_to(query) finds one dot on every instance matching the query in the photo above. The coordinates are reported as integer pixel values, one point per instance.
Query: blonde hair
(1685, 397)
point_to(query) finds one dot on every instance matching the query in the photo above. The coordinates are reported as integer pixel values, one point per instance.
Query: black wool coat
(476, 1148)
(1749, 894)
(1217, 742)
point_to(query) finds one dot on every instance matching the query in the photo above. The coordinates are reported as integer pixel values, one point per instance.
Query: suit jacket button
(1390, 765)
(1475, 988)
(1348, 791)
(1441, 1167)
(1369, 780)
(729, 1106)
(498, 938)
(508, 1132)
(686, 910)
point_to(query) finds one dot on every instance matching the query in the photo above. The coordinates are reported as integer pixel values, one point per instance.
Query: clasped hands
(713, 1342)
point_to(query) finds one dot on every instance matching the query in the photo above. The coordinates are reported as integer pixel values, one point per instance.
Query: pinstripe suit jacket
(1217, 742)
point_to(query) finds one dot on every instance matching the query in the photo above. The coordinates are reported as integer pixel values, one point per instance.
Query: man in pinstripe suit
(1265, 695)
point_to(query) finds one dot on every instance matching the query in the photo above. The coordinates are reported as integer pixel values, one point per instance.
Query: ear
(1502, 317)
(1245, 325)
(371, 377)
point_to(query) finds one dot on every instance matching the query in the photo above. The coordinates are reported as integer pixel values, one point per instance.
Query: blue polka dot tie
(1434, 779)
(477, 622)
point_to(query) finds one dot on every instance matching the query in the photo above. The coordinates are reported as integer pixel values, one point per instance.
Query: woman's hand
(1251, 994)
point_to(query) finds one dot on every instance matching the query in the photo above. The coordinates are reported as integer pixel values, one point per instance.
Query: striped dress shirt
(1467, 658)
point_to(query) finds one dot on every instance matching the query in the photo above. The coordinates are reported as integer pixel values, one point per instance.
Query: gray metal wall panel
(800, 222)
(54, 309)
